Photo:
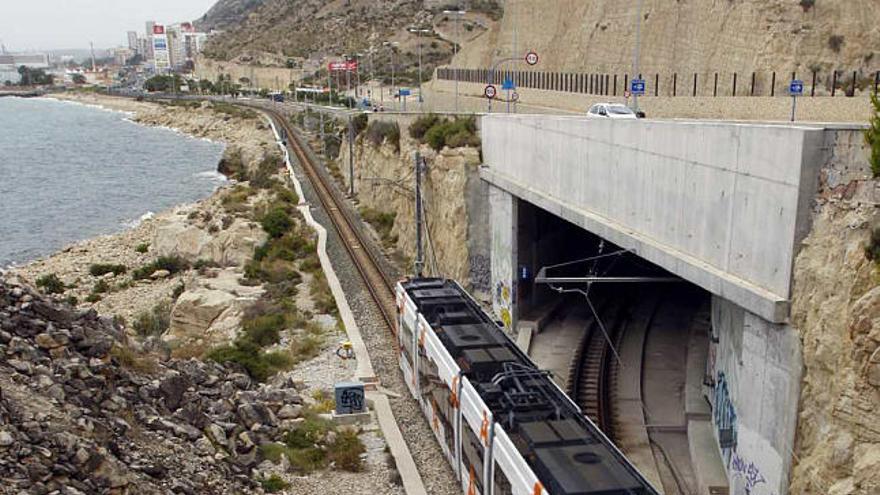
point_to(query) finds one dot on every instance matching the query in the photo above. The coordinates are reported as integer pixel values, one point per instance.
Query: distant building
(133, 40)
(9, 64)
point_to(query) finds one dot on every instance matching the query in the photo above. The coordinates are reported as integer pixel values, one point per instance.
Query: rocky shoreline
(232, 280)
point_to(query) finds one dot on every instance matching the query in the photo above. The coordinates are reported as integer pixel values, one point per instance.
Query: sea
(69, 172)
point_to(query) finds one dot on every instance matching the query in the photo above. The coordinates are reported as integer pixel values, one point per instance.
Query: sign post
(402, 94)
(508, 86)
(795, 89)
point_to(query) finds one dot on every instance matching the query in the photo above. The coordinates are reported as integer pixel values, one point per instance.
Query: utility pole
(419, 32)
(420, 256)
(94, 66)
(457, 14)
(391, 45)
(350, 156)
(636, 52)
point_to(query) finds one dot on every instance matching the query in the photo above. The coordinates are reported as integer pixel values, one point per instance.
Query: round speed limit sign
(514, 96)
(490, 91)
(532, 58)
(626, 94)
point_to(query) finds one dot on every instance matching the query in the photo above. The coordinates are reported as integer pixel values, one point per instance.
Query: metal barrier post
(656, 84)
(813, 88)
(834, 83)
(674, 82)
(715, 91)
(773, 85)
(734, 84)
(852, 91)
(695, 84)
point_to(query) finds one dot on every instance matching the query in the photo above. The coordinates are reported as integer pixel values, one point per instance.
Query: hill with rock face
(227, 14)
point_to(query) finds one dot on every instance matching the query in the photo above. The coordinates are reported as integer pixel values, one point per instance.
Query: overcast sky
(56, 24)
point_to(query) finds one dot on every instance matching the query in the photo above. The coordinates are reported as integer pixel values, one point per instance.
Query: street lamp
(419, 32)
(457, 14)
(391, 45)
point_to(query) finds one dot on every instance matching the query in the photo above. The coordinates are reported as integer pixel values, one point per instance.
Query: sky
(64, 24)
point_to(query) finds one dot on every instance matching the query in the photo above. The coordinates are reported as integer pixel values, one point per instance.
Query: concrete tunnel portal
(722, 205)
(618, 333)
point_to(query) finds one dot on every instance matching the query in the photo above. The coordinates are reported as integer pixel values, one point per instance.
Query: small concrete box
(349, 398)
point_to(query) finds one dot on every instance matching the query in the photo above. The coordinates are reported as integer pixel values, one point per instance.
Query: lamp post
(636, 52)
(391, 45)
(419, 32)
(457, 14)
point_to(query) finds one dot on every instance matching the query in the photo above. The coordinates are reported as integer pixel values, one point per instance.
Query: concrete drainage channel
(408, 435)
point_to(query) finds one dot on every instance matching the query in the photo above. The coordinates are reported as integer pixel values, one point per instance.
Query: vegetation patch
(51, 284)
(273, 484)
(128, 358)
(236, 200)
(382, 222)
(233, 110)
(872, 136)
(453, 133)
(171, 264)
(142, 247)
(155, 322)
(380, 132)
(259, 365)
(100, 269)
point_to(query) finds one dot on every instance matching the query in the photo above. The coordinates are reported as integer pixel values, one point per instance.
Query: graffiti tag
(748, 472)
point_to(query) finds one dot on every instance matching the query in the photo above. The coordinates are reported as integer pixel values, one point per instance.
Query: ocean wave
(130, 224)
(211, 175)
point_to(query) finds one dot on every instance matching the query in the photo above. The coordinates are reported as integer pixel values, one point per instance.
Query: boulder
(231, 247)
(196, 310)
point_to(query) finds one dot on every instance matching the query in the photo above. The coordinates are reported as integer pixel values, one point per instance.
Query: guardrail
(677, 84)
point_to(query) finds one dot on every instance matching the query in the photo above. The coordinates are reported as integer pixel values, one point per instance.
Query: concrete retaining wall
(722, 205)
(757, 372)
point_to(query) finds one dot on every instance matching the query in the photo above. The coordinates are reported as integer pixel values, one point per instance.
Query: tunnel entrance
(626, 339)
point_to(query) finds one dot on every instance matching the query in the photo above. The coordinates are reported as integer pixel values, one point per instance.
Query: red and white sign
(490, 91)
(514, 96)
(158, 29)
(351, 66)
(626, 94)
(532, 58)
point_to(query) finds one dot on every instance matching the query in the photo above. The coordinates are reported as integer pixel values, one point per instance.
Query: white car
(610, 111)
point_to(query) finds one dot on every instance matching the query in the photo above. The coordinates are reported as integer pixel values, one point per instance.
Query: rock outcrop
(234, 246)
(81, 411)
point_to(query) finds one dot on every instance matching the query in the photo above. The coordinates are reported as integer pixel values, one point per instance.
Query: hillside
(687, 36)
(283, 32)
(684, 36)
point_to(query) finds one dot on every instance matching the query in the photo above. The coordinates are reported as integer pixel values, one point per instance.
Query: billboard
(351, 66)
(160, 48)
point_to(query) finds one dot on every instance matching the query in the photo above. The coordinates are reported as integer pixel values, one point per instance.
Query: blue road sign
(508, 84)
(796, 88)
(637, 87)
(405, 92)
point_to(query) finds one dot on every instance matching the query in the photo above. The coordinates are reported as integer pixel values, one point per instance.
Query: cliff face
(836, 309)
(686, 36)
(384, 181)
(226, 14)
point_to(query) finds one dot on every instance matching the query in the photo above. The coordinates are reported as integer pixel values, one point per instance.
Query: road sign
(626, 94)
(514, 96)
(508, 84)
(796, 88)
(405, 92)
(637, 87)
(490, 91)
(532, 58)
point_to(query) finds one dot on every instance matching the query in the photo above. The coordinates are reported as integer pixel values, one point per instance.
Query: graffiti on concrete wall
(724, 417)
(746, 477)
(502, 298)
(480, 272)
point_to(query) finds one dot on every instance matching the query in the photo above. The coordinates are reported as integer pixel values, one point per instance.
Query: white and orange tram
(504, 426)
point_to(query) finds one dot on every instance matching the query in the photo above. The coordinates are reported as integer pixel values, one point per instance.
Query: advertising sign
(351, 66)
(160, 48)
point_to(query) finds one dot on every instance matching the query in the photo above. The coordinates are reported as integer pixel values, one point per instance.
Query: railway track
(379, 283)
(594, 366)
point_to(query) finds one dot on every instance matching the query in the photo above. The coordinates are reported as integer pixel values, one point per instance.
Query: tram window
(502, 484)
(472, 455)
(406, 338)
(435, 392)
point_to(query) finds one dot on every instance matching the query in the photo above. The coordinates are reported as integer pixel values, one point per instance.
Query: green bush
(258, 364)
(142, 247)
(263, 176)
(420, 127)
(276, 222)
(93, 298)
(346, 452)
(173, 264)
(101, 286)
(872, 136)
(379, 132)
(456, 133)
(72, 300)
(264, 329)
(273, 484)
(51, 284)
(100, 269)
(359, 123)
(323, 297)
(309, 433)
(154, 322)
